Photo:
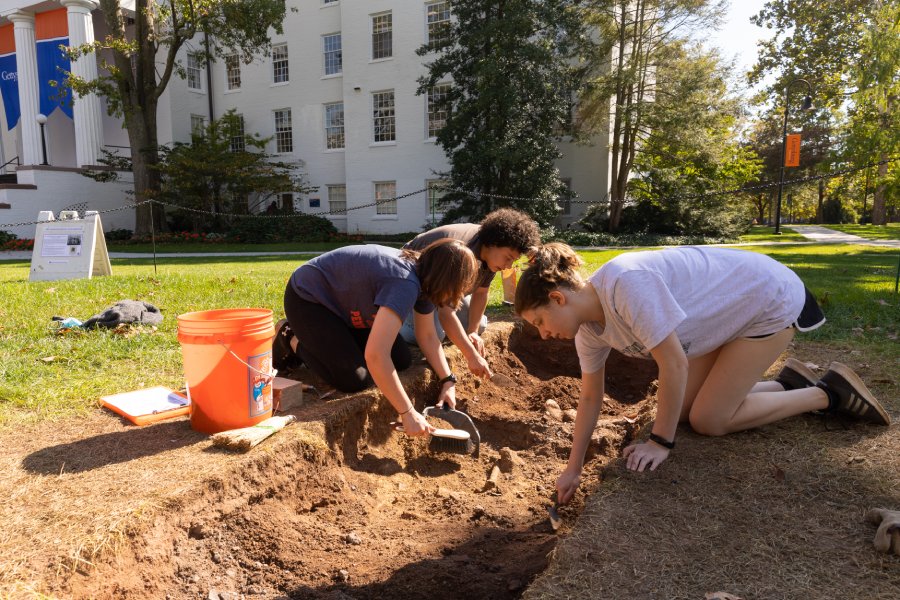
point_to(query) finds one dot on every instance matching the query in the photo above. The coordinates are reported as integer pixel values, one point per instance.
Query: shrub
(6, 236)
(118, 235)
(293, 228)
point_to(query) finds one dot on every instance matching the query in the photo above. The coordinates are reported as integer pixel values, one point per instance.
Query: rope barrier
(344, 211)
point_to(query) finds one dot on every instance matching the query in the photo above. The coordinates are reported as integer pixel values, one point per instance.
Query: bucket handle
(269, 376)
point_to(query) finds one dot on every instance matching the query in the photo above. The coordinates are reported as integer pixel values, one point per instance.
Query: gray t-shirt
(467, 233)
(354, 281)
(707, 296)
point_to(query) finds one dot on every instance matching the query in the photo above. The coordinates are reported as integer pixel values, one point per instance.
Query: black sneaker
(848, 395)
(283, 356)
(795, 375)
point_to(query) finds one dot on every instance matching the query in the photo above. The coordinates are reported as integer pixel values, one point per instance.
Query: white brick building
(337, 93)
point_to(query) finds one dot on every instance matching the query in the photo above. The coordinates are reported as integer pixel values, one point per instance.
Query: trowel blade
(555, 519)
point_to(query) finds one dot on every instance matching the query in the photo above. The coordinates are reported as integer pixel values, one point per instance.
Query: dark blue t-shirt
(354, 281)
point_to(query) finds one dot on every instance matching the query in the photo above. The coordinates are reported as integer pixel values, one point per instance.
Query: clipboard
(150, 405)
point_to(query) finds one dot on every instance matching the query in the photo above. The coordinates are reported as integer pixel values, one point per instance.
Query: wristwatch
(451, 378)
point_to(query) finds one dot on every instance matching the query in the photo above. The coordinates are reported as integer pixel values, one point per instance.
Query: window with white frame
(233, 72)
(194, 72)
(237, 143)
(437, 17)
(280, 63)
(382, 36)
(384, 126)
(329, 1)
(284, 135)
(337, 199)
(565, 202)
(198, 125)
(437, 108)
(334, 126)
(334, 62)
(435, 190)
(384, 190)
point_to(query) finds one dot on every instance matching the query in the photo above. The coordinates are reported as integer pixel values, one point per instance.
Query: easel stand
(69, 248)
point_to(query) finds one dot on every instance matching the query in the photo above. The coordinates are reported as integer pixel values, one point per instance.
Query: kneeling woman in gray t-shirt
(713, 319)
(344, 310)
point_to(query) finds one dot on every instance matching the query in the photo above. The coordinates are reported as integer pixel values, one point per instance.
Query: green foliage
(118, 235)
(835, 211)
(6, 236)
(296, 228)
(632, 77)
(211, 175)
(510, 98)
(852, 60)
(601, 238)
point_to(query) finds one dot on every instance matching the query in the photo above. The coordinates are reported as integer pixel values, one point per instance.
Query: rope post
(153, 237)
(897, 279)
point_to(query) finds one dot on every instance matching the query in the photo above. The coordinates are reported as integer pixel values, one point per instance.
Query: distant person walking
(713, 319)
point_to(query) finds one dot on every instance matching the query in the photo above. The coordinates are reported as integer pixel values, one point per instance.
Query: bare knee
(705, 424)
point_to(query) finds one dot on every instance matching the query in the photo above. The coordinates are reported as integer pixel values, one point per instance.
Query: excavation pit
(339, 505)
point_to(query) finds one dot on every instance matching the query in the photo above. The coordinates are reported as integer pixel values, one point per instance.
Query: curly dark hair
(509, 228)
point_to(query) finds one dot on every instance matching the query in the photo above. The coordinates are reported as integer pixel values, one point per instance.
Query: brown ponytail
(553, 265)
(447, 270)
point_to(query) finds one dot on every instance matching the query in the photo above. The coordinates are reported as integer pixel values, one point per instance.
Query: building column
(88, 118)
(26, 66)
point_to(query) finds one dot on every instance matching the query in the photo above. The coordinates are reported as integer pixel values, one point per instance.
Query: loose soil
(336, 506)
(339, 506)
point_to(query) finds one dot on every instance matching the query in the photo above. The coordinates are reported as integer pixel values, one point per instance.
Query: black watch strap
(451, 377)
(661, 441)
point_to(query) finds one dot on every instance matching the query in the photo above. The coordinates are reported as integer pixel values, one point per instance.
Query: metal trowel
(553, 511)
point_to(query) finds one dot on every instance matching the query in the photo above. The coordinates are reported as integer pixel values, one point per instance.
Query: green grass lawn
(46, 376)
(206, 248)
(764, 233)
(891, 231)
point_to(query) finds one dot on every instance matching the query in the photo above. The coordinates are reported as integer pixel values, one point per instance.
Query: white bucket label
(260, 384)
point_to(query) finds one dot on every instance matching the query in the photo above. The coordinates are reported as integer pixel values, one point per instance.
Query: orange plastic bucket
(227, 366)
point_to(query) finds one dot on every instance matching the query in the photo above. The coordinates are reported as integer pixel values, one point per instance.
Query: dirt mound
(336, 506)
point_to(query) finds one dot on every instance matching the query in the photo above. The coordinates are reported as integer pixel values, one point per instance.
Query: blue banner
(52, 64)
(9, 87)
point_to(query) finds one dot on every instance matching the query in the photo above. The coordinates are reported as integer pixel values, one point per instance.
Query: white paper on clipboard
(146, 402)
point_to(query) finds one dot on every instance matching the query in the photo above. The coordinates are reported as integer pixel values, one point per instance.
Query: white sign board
(69, 248)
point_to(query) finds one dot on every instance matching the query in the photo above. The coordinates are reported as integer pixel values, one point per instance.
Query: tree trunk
(144, 158)
(879, 215)
(820, 209)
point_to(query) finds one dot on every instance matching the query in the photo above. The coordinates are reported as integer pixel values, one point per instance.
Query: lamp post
(42, 120)
(807, 104)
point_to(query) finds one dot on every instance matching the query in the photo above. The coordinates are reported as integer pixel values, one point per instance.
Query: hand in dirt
(477, 342)
(643, 455)
(478, 366)
(887, 538)
(448, 395)
(414, 424)
(567, 484)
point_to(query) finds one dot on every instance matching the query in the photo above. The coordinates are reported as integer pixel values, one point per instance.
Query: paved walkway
(830, 236)
(814, 233)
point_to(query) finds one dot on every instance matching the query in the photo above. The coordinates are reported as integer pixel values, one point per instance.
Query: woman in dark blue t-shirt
(344, 310)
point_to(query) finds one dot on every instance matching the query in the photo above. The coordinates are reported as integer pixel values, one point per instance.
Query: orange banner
(792, 150)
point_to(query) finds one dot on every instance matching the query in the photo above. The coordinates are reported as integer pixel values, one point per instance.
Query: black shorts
(810, 317)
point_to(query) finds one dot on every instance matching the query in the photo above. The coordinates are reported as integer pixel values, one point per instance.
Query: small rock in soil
(569, 415)
(352, 538)
(343, 575)
(509, 460)
(197, 531)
